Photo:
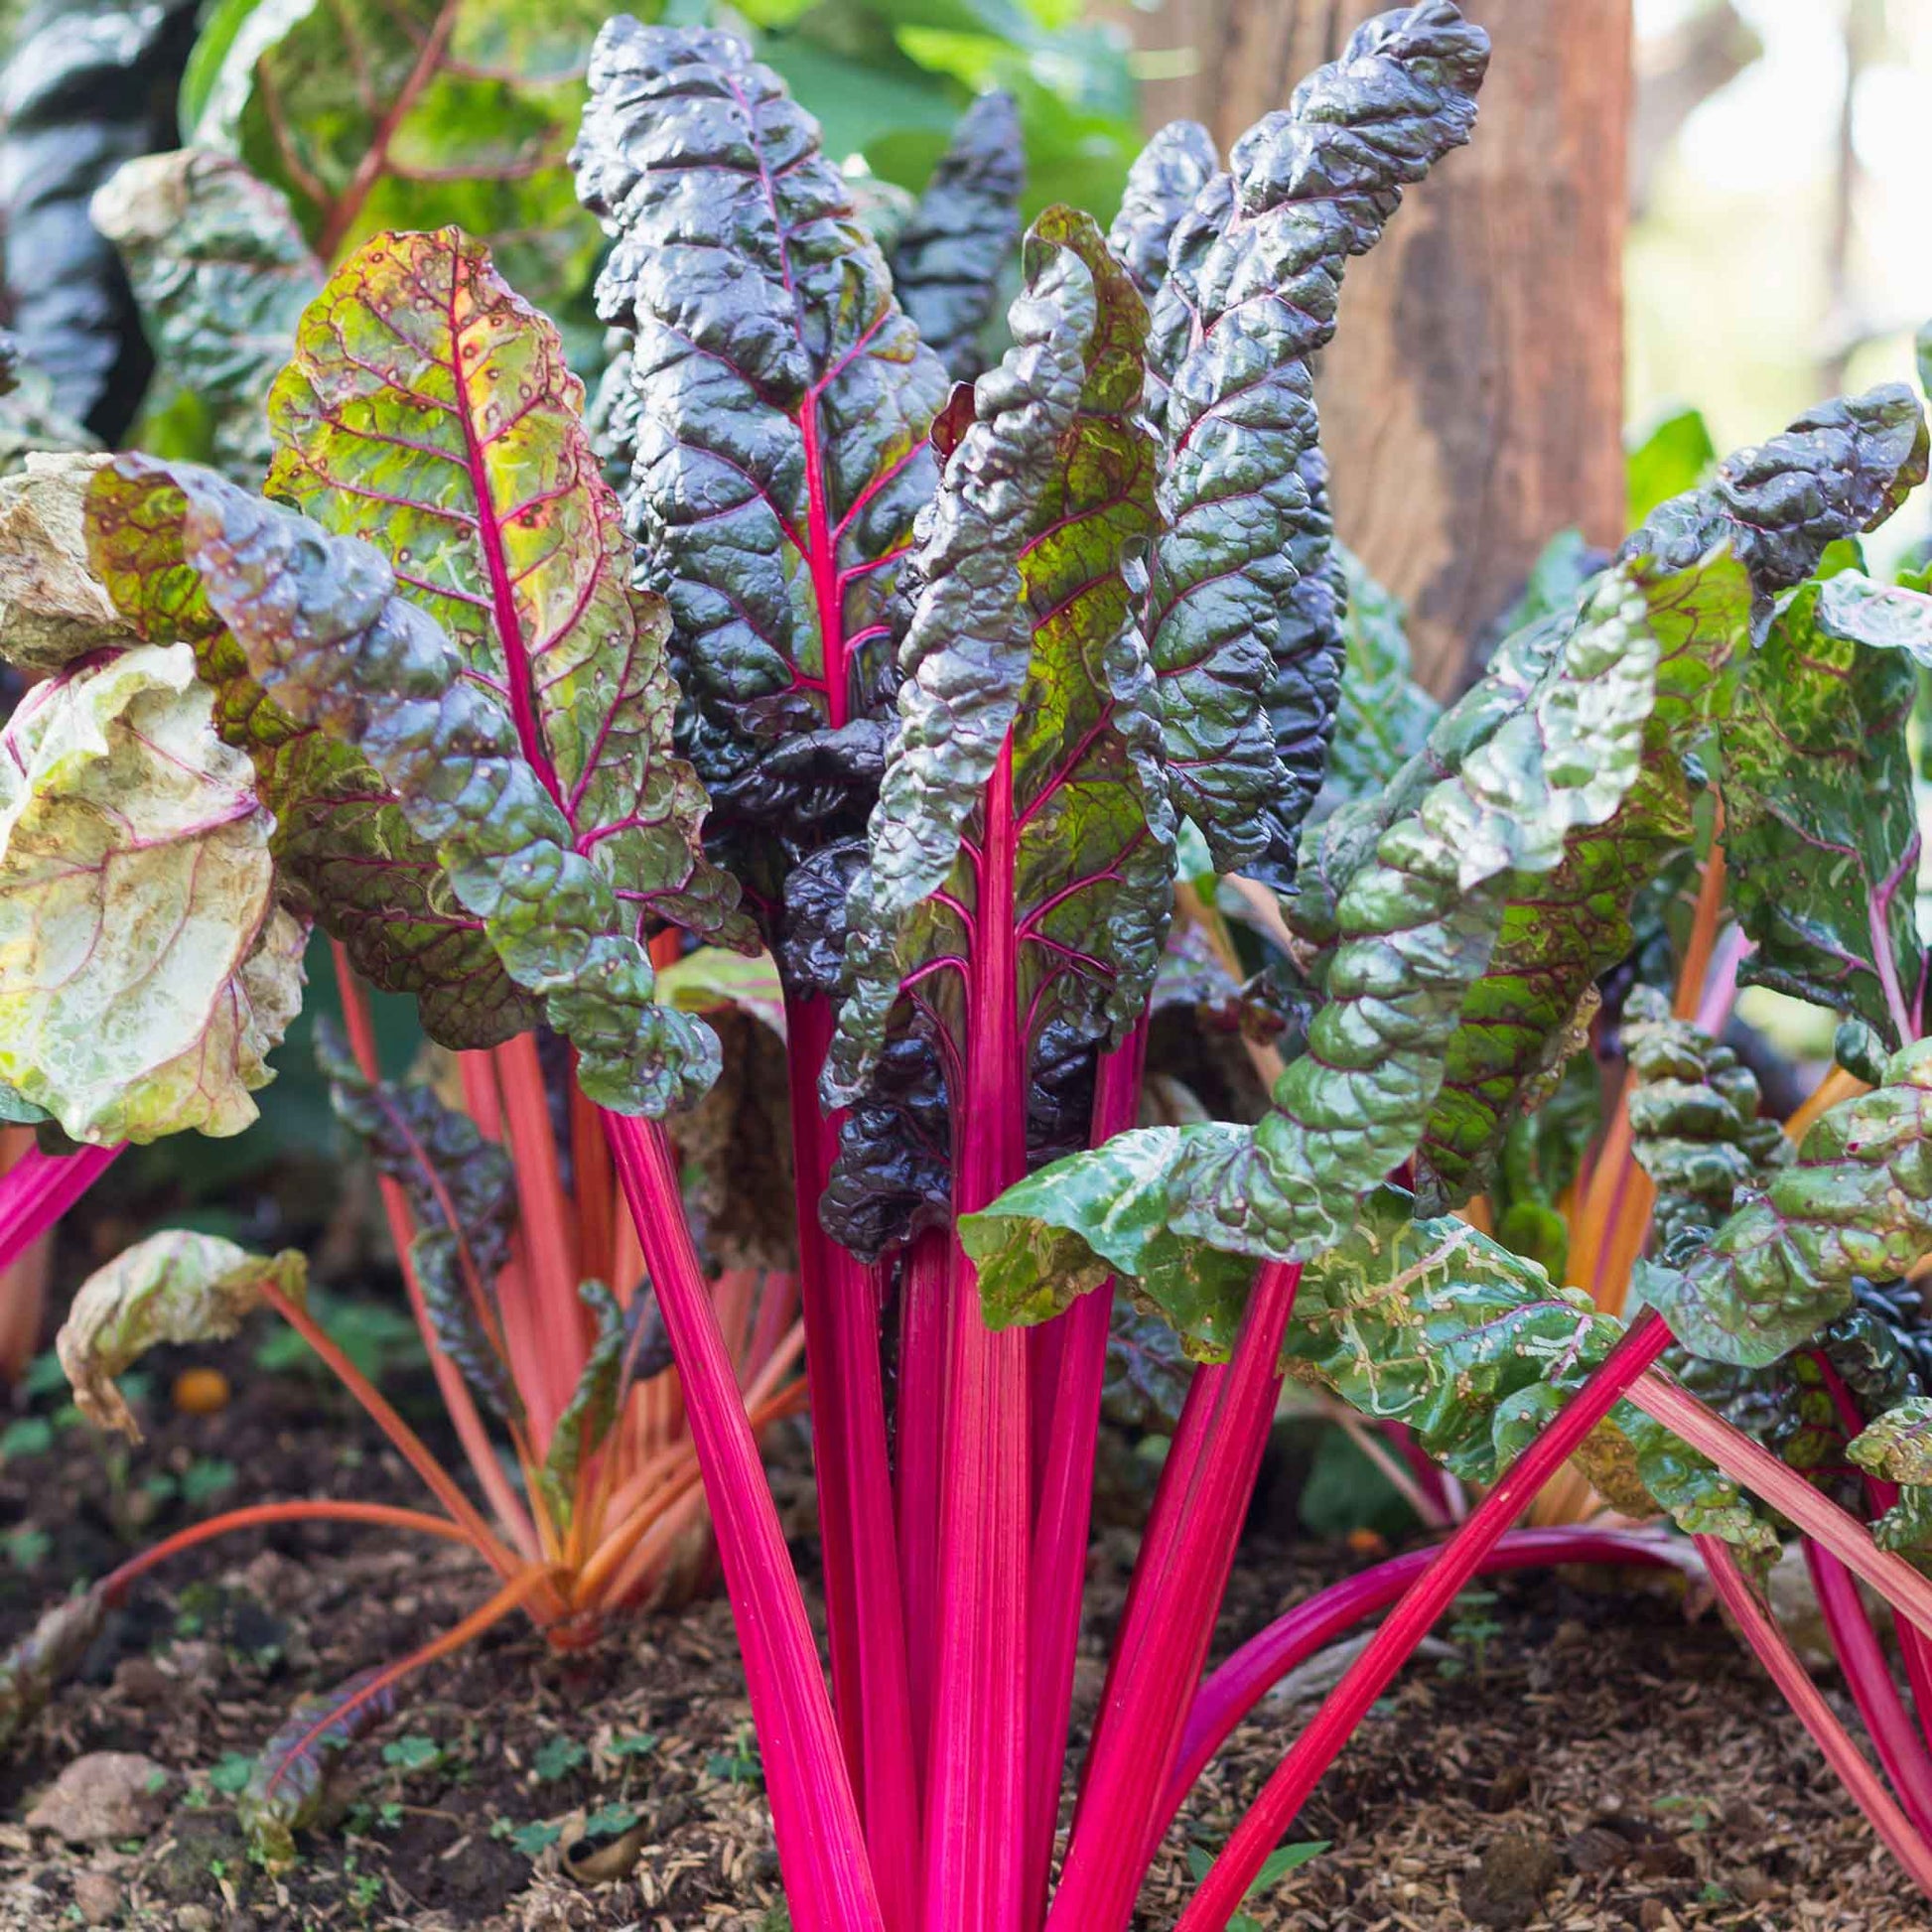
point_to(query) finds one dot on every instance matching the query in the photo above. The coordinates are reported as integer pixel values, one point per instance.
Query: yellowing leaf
(146, 970)
(52, 608)
(172, 1287)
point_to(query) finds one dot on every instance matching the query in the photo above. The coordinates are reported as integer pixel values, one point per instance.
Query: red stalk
(977, 1781)
(924, 1334)
(1233, 1691)
(1065, 1509)
(1868, 1675)
(1164, 1641)
(815, 1817)
(1226, 1885)
(40, 1188)
(1761, 1631)
(841, 1298)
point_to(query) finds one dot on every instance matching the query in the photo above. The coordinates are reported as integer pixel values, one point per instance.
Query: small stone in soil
(103, 1796)
(97, 1898)
(1517, 1869)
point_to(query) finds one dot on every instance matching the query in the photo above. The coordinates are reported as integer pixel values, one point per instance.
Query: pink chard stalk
(925, 690)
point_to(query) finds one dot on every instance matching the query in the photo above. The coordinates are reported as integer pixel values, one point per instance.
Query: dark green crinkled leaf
(1147, 1372)
(289, 1782)
(1694, 1122)
(586, 1418)
(325, 631)
(1821, 832)
(1432, 1324)
(393, 114)
(1383, 718)
(1162, 187)
(1840, 468)
(34, 1667)
(1856, 1202)
(86, 88)
(430, 412)
(462, 1195)
(949, 256)
(222, 273)
(1416, 927)
(1023, 634)
(345, 852)
(1246, 670)
(783, 402)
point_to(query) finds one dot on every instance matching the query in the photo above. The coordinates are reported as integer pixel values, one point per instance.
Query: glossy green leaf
(1674, 456)
(222, 274)
(174, 1286)
(783, 400)
(345, 855)
(949, 256)
(462, 1195)
(430, 412)
(1022, 635)
(1542, 1154)
(1881, 617)
(288, 1783)
(394, 114)
(323, 629)
(1821, 834)
(1898, 1447)
(1247, 669)
(1856, 1202)
(149, 967)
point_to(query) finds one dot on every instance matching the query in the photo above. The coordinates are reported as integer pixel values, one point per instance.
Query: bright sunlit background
(1782, 249)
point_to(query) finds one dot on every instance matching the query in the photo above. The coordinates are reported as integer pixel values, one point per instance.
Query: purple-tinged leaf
(1162, 185)
(949, 257)
(285, 1788)
(36, 1666)
(430, 412)
(1247, 668)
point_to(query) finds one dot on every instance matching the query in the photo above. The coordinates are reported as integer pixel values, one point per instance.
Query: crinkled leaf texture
(1028, 751)
(430, 412)
(222, 274)
(1242, 616)
(949, 258)
(323, 629)
(373, 115)
(782, 405)
(345, 855)
(1162, 185)
(52, 608)
(461, 1195)
(174, 1286)
(149, 969)
(1821, 833)
(1856, 1202)
(1898, 1447)
(289, 1782)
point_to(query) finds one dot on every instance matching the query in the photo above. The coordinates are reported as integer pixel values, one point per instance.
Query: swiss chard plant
(941, 698)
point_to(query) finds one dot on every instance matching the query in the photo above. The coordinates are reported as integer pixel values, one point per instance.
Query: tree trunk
(1472, 402)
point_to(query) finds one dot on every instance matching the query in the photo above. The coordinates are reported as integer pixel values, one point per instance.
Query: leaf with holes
(783, 402)
(430, 412)
(345, 853)
(374, 114)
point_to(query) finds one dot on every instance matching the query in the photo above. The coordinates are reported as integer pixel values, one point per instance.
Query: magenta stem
(1862, 1658)
(1226, 1885)
(1169, 1623)
(1762, 1633)
(840, 1299)
(924, 1335)
(40, 1188)
(1227, 1697)
(1065, 1507)
(815, 1816)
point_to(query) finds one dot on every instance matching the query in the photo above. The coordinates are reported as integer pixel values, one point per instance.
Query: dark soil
(1593, 1763)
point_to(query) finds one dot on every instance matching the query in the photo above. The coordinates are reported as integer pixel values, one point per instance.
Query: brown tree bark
(1472, 402)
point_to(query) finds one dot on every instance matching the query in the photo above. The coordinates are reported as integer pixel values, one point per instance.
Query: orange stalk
(408, 1444)
(457, 1399)
(1837, 1085)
